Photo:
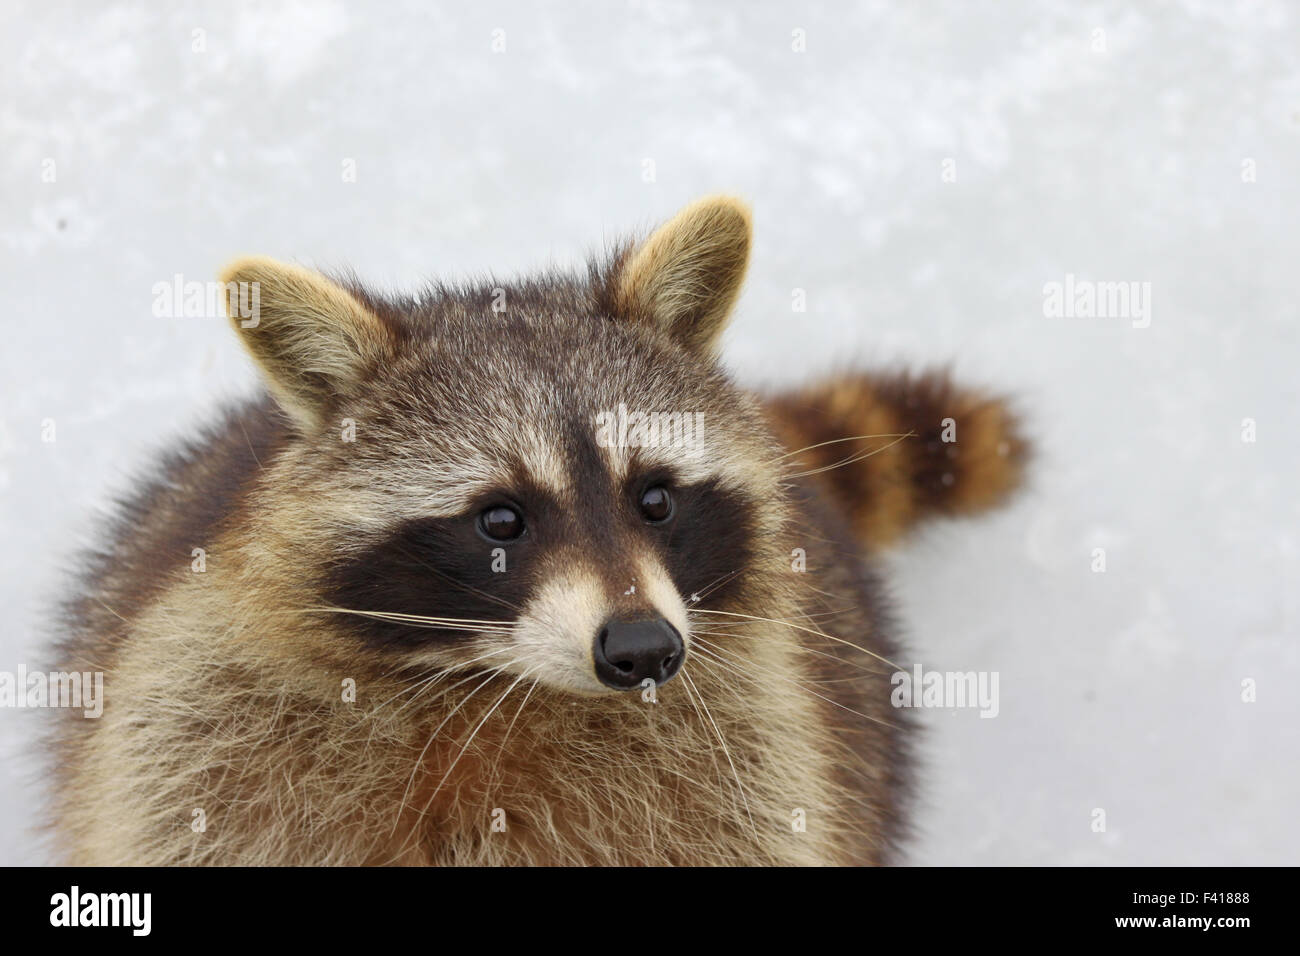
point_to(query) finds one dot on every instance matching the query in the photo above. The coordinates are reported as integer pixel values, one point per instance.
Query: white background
(1115, 156)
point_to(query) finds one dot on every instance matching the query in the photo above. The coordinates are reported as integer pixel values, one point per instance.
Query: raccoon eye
(656, 504)
(501, 523)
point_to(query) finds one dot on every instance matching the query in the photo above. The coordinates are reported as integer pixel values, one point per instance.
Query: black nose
(627, 652)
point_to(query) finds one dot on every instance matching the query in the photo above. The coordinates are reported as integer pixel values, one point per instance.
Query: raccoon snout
(629, 652)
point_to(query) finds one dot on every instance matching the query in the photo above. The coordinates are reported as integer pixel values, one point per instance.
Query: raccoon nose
(627, 652)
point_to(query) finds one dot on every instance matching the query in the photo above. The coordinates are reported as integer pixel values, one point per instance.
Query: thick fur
(897, 448)
(490, 744)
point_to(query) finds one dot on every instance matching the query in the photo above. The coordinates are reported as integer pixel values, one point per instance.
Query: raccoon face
(539, 480)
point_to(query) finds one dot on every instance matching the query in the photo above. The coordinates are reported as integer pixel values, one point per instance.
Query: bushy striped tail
(894, 449)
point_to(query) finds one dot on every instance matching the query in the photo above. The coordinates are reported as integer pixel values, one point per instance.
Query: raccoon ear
(312, 338)
(686, 277)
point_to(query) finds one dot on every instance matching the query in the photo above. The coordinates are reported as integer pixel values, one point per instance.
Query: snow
(921, 171)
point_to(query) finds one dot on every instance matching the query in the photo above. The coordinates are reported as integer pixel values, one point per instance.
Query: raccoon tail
(894, 449)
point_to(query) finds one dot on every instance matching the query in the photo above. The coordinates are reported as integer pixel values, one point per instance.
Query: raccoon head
(541, 478)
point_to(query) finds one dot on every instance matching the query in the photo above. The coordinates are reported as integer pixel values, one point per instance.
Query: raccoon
(515, 574)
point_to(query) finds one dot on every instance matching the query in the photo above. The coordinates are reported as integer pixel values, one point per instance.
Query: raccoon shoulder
(162, 526)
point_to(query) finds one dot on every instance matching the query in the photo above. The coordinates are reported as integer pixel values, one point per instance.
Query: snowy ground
(921, 170)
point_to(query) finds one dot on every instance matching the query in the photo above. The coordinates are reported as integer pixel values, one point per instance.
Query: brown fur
(223, 688)
(902, 469)
(687, 276)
